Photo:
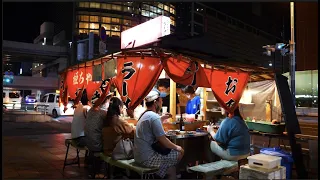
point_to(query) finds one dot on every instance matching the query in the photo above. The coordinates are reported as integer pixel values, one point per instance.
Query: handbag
(157, 146)
(123, 150)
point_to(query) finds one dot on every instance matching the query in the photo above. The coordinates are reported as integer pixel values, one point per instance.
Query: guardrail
(24, 107)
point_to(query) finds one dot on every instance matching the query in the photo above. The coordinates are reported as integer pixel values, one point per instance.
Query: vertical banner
(136, 76)
(185, 72)
(227, 87)
(62, 87)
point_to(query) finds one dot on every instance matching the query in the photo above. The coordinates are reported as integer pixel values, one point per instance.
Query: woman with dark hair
(193, 104)
(232, 140)
(114, 127)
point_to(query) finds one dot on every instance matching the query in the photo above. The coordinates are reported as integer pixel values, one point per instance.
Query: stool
(71, 142)
(144, 172)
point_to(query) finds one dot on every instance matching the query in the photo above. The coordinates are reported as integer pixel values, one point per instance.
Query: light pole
(292, 55)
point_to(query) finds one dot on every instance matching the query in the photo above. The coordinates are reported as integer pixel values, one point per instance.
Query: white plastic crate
(247, 172)
(264, 161)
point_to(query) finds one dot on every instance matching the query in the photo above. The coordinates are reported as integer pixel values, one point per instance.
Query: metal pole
(292, 53)
(74, 42)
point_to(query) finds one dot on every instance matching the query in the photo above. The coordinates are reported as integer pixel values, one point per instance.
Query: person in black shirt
(164, 87)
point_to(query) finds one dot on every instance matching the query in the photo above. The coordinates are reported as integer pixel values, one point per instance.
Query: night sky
(21, 21)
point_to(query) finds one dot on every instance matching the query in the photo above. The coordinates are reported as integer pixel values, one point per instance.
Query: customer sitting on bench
(148, 131)
(114, 127)
(79, 118)
(232, 140)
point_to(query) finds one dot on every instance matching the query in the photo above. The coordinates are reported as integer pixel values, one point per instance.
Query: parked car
(11, 99)
(30, 99)
(51, 100)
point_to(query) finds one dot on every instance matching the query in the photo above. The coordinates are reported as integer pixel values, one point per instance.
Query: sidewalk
(39, 157)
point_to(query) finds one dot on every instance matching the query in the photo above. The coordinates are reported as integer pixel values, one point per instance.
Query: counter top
(182, 136)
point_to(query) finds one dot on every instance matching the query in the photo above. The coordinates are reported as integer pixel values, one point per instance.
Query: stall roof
(174, 45)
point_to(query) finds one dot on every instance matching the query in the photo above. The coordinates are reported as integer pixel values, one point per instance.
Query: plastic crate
(266, 127)
(264, 161)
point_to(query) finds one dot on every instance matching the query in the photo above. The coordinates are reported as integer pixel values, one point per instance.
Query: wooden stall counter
(189, 126)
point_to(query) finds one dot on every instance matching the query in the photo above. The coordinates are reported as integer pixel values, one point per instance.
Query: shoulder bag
(123, 150)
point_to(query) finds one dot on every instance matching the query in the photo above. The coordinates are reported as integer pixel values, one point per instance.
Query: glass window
(51, 98)
(126, 22)
(83, 31)
(108, 33)
(115, 27)
(166, 8)
(160, 11)
(172, 11)
(94, 5)
(94, 26)
(106, 6)
(116, 7)
(152, 9)
(127, 9)
(153, 15)
(94, 31)
(125, 28)
(106, 26)
(115, 20)
(145, 7)
(84, 18)
(44, 99)
(14, 95)
(106, 19)
(145, 13)
(4, 95)
(115, 34)
(94, 18)
(82, 4)
(83, 25)
(160, 5)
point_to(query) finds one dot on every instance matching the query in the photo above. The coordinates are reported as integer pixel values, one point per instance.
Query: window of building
(106, 26)
(172, 11)
(115, 27)
(125, 28)
(153, 15)
(94, 5)
(84, 25)
(127, 22)
(116, 7)
(115, 34)
(51, 98)
(198, 29)
(198, 18)
(160, 11)
(84, 18)
(166, 8)
(106, 6)
(145, 13)
(108, 33)
(145, 7)
(84, 4)
(105, 19)
(127, 9)
(153, 9)
(172, 21)
(115, 20)
(160, 5)
(83, 31)
(94, 18)
(94, 26)
(94, 31)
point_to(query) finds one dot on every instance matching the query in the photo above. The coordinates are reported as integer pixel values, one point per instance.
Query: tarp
(136, 76)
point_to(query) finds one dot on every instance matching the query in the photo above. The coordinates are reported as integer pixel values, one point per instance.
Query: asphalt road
(59, 125)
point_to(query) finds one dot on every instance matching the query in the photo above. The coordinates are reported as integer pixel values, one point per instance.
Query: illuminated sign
(145, 33)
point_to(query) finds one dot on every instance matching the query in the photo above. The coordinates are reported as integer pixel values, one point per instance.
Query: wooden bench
(144, 172)
(73, 143)
(218, 168)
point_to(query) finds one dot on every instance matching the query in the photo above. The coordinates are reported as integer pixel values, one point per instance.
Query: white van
(52, 101)
(11, 99)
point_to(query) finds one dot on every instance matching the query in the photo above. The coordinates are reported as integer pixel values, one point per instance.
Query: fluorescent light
(20, 70)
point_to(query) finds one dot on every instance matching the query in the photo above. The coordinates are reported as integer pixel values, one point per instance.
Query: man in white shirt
(79, 118)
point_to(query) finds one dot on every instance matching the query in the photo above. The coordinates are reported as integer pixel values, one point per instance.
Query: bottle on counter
(181, 123)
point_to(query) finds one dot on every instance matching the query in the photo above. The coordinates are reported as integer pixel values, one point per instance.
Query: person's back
(78, 122)
(147, 129)
(93, 129)
(234, 133)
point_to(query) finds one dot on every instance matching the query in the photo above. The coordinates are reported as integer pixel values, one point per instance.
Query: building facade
(240, 40)
(116, 17)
